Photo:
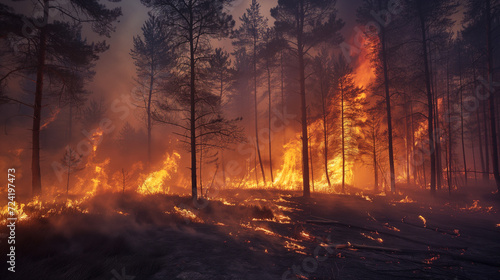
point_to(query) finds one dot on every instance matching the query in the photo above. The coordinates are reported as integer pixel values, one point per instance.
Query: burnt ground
(261, 235)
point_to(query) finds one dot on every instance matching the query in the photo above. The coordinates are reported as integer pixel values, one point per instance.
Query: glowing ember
(406, 200)
(423, 220)
(475, 207)
(431, 260)
(292, 246)
(378, 239)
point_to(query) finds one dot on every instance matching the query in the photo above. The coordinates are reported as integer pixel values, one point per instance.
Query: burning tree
(305, 24)
(194, 23)
(323, 74)
(350, 99)
(381, 54)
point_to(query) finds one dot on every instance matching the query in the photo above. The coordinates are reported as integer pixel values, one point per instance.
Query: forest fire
(170, 139)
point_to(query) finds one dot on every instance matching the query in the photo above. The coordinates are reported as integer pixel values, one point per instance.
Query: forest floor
(257, 234)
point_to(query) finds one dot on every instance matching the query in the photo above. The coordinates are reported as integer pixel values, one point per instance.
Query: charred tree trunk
(325, 133)
(375, 165)
(462, 116)
(388, 107)
(486, 142)
(303, 103)
(256, 109)
(479, 132)
(492, 96)
(269, 119)
(312, 166)
(150, 95)
(437, 139)
(450, 141)
(430, 103)
(282, 85)
(343, 135)
(36, 179)
(407, 146)
(413, 145)
(192, 119)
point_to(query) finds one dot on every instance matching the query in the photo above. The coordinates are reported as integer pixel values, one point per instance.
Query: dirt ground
(256, 234)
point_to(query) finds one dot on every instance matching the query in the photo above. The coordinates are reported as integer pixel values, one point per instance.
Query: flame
(187, 214)
(431, 260)
(52, 118)
(406, 200)
(378, 239)
(154, 182)
(289, 175)
(475, 207)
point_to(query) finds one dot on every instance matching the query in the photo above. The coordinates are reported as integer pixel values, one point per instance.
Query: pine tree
(153, 55)
(60, 56)
(194, 23)
(250, 35)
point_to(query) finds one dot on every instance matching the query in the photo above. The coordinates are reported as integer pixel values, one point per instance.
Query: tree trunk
(407, 146)
(325, 133)
(374, 139)
(492, 96)
(282, 82)
(269, 124)
(302, 81)
(415, 170)
(430, 104)
(486, 142)
(256, 110)
(439, 171)
(343, 135)
(36, 179)
(151, 83)
(388, 107)
(450, 139)
(192, 119)
(312, 166)
(462, 116)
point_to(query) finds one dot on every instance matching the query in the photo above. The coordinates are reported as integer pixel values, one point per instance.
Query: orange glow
(423, 220)
(155, 182)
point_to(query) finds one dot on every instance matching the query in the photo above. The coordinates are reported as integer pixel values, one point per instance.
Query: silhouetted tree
(153, 55)
(322, 66)
(250, 35)
(56, 49)
(194, 22)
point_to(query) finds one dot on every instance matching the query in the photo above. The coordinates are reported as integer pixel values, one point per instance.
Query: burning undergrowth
(252, 234)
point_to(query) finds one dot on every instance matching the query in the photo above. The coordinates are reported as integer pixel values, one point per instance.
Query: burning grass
(249, 232)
